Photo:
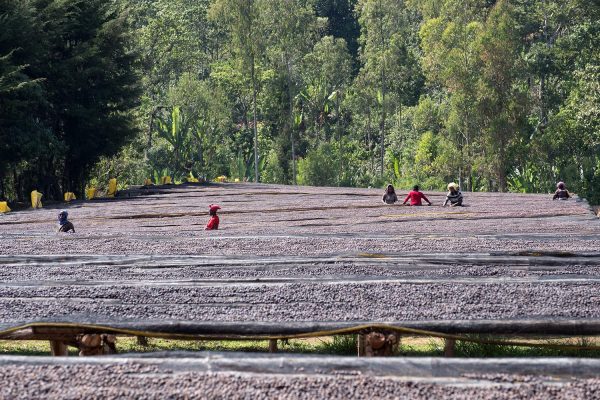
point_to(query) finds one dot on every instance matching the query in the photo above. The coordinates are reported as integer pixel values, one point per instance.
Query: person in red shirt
(415, 197)
(213, 223)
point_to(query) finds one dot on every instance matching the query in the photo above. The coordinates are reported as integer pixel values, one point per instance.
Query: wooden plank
(261, 330)
(449, 347)
(273, 346)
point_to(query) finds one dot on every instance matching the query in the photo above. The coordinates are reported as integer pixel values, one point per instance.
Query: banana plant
(174, 128)
(242, 167)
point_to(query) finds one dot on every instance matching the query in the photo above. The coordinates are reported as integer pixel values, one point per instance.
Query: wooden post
(142, 341)
(449, 347)
(58, 349)
(272, 345)
(360, 344)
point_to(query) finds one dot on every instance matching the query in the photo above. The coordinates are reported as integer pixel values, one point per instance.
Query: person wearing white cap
(454, 196)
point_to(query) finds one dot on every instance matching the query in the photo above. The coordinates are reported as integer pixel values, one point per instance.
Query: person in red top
(415, 197)
(213, 223)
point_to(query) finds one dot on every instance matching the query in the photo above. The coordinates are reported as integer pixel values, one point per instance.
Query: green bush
(273, 171)
(317, 168)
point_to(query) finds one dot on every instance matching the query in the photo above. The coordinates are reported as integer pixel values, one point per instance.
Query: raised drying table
(243, 376)
(237, 297)
(294, 260)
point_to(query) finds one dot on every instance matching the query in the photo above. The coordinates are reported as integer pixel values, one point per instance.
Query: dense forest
(497, 95)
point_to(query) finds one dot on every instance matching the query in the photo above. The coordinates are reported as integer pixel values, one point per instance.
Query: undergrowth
(335, 345)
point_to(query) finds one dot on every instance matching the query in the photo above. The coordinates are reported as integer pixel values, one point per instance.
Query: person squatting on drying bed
(415, 197)
(454, 196)
(390, 196)
(64, 224)
(561, 192)
(213, 223)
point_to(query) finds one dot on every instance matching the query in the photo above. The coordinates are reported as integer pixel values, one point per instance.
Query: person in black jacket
(64, 225)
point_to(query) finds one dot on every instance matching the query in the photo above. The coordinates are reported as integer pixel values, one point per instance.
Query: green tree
(451, 59)
(316, 168)
(291, 28)
(242, 17)
(22, 137)
(326, 73)
(342, 23)
(389, 63)
(91, 82)
(502, 102)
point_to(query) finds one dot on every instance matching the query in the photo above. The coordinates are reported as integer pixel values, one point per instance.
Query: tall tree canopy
(77, 86)
(497, 95)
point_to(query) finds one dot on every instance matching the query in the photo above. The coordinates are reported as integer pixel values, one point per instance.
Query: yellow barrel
(4, 207)
(36, 199)
(90, 193)
(70, 196)
(112, 188)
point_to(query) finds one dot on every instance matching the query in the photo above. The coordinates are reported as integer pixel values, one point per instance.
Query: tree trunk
(291, 105)
(149, 142)
(253, 73)
(18, 193)
(382, 124)
(339, 138)
(200, 154)
(542, 89)
(369, 142)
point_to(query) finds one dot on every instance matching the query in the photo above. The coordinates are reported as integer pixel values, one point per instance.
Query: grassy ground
(336, 345)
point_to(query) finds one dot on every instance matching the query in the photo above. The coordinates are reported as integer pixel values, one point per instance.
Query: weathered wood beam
(273, 346)
(449, 347)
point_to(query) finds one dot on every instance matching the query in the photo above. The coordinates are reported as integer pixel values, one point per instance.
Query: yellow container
(148, 182)
(4, 207)
(70, 196)
(165, 180)
(112, 188)
(90, 193)
(221, 179)
(36, 199)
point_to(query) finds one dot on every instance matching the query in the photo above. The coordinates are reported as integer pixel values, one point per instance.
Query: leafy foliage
(75, 87)
(498, 95)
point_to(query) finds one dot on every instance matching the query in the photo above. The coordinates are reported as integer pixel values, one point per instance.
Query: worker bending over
(415, 197)
(454, 196)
